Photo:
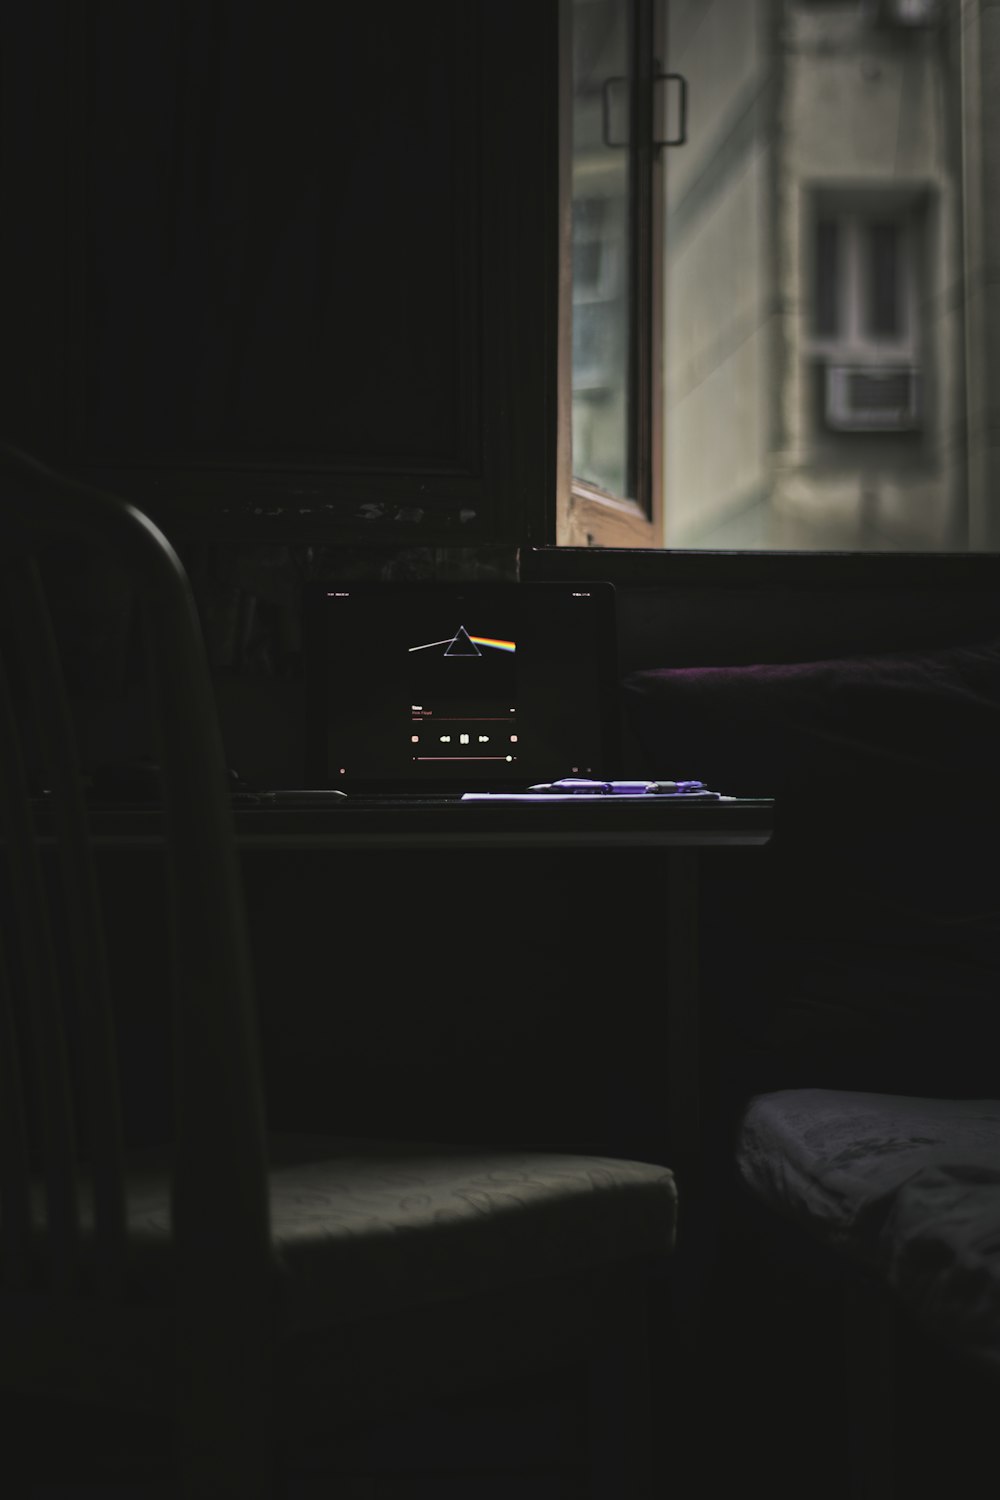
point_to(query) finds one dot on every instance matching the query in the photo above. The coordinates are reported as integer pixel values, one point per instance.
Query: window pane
(601, 195)
(825, 290)
(883, 280)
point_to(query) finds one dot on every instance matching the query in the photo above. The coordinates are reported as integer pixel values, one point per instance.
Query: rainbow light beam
(486, 640)
(477, 640)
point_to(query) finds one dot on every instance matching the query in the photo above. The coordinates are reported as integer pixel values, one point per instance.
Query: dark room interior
(375, 1128)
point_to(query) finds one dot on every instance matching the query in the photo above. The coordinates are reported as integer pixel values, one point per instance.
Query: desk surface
(616, 822)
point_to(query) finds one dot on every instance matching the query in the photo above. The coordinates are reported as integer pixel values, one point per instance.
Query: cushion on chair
(872, 929)
(909, 1187)
(367, 1227)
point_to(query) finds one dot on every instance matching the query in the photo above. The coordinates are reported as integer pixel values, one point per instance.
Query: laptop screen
(452, 687)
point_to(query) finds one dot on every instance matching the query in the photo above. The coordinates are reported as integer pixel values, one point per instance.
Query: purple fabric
(912, 720)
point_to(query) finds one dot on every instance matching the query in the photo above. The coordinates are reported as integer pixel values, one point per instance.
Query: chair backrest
(220, 1214)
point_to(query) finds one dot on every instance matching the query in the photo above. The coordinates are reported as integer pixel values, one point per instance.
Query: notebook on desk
(429, 690)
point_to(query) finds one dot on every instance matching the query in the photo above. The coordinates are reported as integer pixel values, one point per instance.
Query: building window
(865, 314)
(864, 280)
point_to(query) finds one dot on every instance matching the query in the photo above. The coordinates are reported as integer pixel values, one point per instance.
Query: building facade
(827, 343)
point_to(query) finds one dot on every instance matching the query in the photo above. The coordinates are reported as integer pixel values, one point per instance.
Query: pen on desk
(582, 786)
(675, 786)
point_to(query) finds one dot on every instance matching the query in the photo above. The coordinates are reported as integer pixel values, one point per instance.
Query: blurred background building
(829, 236)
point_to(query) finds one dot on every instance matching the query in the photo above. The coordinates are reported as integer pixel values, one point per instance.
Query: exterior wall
(719, 302)
(865, 110)
(979, 47)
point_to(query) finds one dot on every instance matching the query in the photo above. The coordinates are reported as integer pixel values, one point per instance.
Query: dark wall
(282, 272)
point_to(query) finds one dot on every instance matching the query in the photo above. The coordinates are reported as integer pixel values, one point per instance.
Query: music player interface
(471, 684)
(464, 693)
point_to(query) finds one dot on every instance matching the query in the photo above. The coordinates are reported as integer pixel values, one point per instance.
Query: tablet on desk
(428, 691)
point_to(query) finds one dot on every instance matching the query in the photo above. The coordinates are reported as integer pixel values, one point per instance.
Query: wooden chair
(242, 1294)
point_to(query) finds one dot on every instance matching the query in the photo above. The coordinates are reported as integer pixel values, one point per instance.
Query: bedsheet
(907, 1186)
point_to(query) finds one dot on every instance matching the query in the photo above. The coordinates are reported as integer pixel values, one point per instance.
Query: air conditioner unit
(872, 398)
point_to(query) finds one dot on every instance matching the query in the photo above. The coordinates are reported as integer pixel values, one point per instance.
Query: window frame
(586, 514)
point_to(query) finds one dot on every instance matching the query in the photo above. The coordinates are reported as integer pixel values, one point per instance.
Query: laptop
(428, 691)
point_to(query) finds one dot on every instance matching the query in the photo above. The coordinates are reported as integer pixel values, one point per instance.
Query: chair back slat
(85, 973)
(217, 1070)
(222, 1255)
(15, 1171)
(31, 956)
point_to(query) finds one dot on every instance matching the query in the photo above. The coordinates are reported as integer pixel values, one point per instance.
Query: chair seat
(909, 1187)
(364, 1226)
(381, 1237)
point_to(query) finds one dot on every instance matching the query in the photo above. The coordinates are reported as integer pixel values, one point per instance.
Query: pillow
(875, 932)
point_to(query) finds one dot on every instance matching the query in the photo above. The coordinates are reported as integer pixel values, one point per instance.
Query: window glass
(825, 286)
(884, 279)
(601, 111)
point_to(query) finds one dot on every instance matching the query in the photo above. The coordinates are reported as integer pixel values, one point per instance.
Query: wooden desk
(680, 831)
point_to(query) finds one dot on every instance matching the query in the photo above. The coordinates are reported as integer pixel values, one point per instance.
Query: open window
(610, 194)
(770, 339)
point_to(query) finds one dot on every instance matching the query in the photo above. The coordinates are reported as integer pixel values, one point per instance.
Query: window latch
(679, 136)
(681, 133)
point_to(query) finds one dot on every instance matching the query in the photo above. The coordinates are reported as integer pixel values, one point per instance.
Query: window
(864, 278)
(610, 480)
(778, 337)
(865, 314)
